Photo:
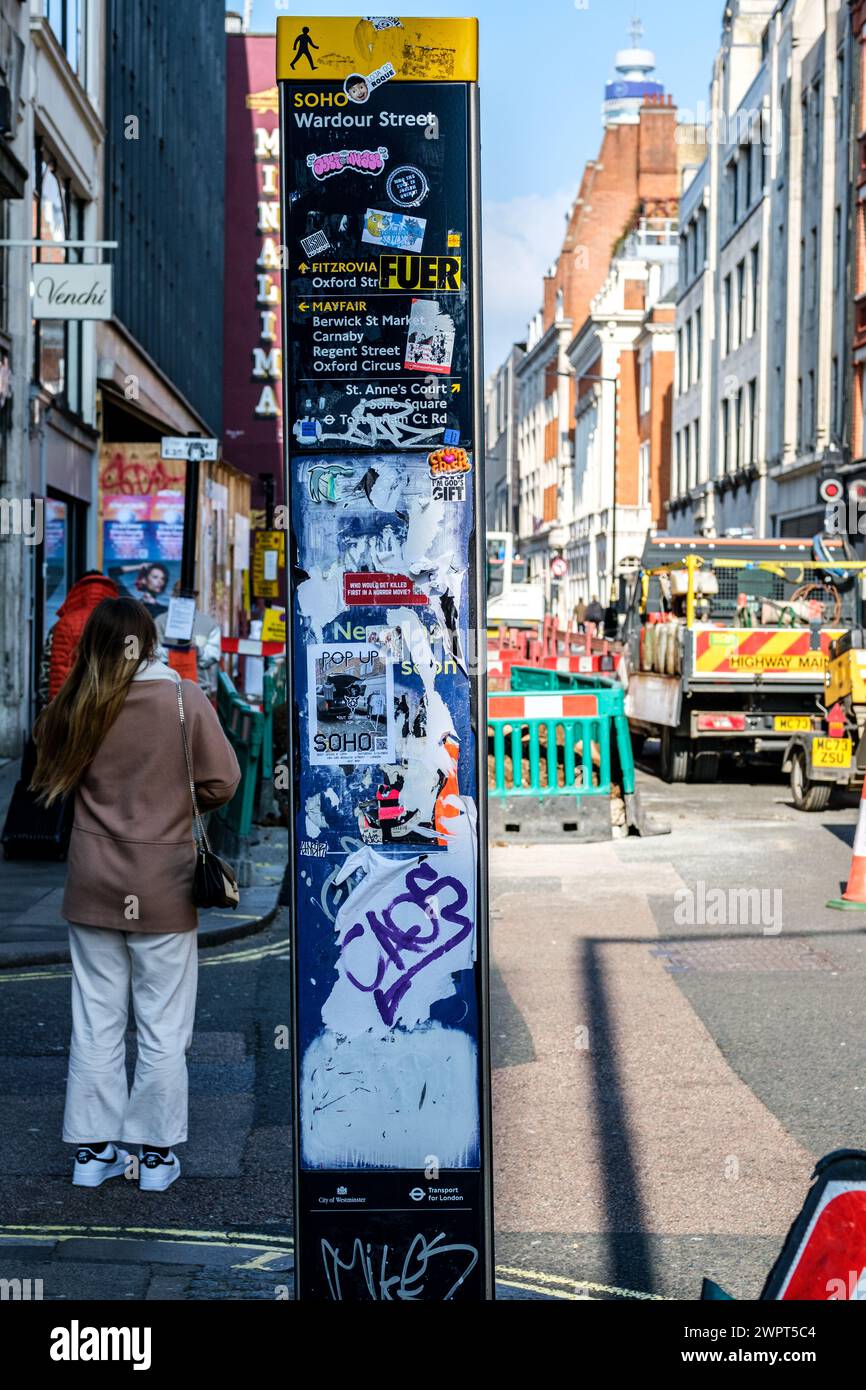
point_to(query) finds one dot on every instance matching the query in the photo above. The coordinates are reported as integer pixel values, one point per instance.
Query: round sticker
(407, 186)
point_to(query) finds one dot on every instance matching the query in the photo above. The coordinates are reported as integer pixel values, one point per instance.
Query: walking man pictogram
(303, 43)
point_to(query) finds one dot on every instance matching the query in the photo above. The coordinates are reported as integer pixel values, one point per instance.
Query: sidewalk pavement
(32, 931)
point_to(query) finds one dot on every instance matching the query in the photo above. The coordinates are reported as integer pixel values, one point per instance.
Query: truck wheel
(807, 796)
(705, 767)
(675, 757)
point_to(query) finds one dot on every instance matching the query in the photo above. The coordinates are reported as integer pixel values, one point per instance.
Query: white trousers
(162, 971)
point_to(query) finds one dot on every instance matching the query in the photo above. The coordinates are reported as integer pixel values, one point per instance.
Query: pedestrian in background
(113, 737)
(595, 616)
(579, 614)
(61, 642)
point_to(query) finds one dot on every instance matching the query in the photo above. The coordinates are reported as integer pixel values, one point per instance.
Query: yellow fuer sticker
(402, 272)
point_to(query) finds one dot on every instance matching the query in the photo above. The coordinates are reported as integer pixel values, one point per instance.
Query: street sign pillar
(383, 415)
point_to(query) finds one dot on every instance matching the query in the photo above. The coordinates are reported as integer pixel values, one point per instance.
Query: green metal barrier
(244, 727)
(610, 698)
(527, 729)
(273, 694)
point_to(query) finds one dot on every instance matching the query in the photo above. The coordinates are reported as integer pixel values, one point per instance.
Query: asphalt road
(674, 1058)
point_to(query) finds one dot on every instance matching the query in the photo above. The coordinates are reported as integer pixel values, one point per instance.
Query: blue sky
(543, 70)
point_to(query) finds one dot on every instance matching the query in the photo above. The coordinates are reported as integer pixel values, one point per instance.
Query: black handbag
(31, 830)
(214, 883)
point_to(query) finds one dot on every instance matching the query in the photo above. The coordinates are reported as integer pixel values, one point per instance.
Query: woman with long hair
(113, 737)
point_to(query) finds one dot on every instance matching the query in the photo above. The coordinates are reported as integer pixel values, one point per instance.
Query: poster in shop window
(383, 412)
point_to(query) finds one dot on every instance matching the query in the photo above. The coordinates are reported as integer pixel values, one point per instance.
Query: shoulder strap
(197, 814)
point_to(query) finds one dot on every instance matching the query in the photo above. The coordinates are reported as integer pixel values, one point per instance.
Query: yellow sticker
(411, 273)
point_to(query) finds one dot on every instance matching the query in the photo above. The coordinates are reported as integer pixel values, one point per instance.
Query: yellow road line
(59, 1232)
(576, 1283)
(547, 1291)
(279, 949)
(271, 1247)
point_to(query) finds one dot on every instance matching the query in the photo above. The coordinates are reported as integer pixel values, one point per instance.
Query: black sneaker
(92, 1169)
(156, 1173)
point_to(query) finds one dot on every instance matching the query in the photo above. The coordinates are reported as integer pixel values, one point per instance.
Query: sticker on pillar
(325, 166)
(449, 468)
(430, 339)
(394, 229)
(358, 87)
(351, 704)
(316, 244)
(407, 186)
(386, 590)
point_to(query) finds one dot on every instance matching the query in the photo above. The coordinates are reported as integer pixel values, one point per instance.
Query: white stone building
(760, 406)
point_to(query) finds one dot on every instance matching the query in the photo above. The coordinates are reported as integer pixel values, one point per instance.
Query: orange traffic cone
(854, 897)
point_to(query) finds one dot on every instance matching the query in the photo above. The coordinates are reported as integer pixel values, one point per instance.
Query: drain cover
(761, 954)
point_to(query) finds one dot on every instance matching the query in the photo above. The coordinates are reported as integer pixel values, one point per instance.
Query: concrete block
(542, 819)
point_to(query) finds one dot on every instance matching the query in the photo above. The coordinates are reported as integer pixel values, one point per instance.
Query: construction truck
(832, 752)
(727, 643)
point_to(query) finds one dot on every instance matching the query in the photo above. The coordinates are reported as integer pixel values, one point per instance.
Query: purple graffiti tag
(424, 939)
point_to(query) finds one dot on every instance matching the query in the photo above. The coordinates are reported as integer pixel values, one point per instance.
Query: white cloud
(521, 238)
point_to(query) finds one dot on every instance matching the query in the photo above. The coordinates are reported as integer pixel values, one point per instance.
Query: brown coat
(131, 857)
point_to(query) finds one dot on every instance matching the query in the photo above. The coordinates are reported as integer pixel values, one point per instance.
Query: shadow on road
(629, 1249)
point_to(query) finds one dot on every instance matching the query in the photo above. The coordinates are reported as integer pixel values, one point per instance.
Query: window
(834, 395)
(728, 313)
(726, 435)
(742, 304)
(837, 245)
(644, 482)
(58, 215)
(688, 351)
(804, 126)
(696, 451)
(738, 429)
(679, 482)
(746, 161)
(813, 268)
(799, 412)
(812, 408)
(752, 453)
(733, 192)
(68, 21)
(754, 276)
(802, 274)
(646, 383)
(699, 343)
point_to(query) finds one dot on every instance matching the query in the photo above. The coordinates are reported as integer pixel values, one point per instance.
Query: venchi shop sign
(71, 291)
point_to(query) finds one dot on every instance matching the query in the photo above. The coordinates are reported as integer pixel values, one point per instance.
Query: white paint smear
(320, 598)
(389, 1099)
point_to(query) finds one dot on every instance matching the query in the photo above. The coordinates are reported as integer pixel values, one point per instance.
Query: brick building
(633, 181)
(623, 363)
